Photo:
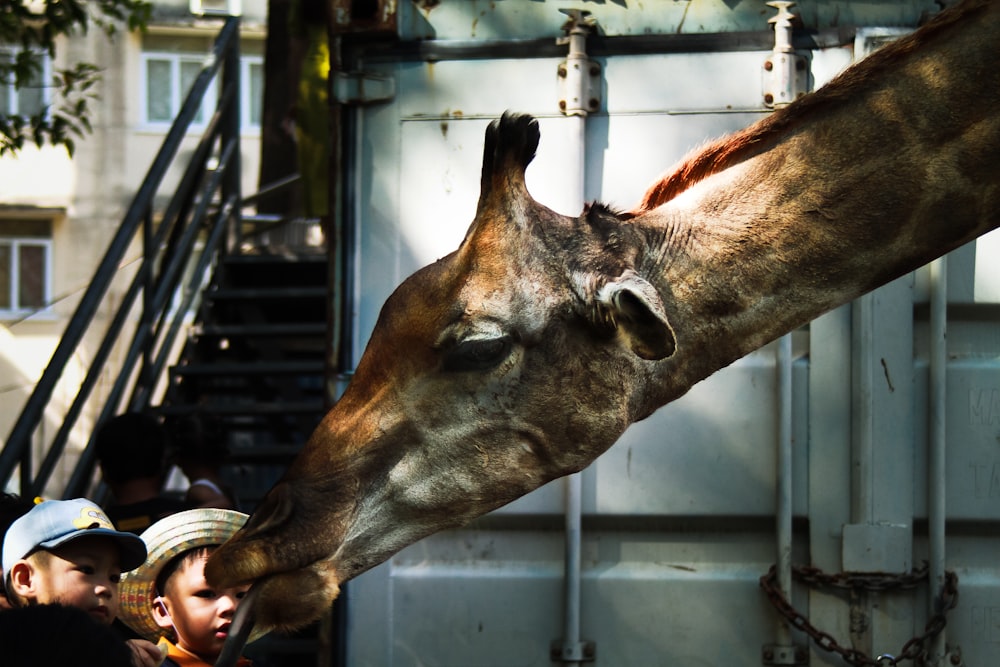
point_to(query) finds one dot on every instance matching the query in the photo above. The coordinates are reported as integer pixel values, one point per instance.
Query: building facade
(58, 213)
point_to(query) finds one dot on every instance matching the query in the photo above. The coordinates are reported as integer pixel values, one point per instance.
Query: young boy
(68, 552)
(168, 597)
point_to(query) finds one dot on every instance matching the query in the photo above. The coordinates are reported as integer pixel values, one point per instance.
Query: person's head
(68, 552)
(168, 595)
(12, 507)
(53, 634)
(198, 615)
(132, 446)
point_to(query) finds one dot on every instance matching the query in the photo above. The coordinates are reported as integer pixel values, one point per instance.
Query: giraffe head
(514, 360)
(524, 354)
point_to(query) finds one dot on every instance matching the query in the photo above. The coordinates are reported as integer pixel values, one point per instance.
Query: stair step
(263, 454)
(273, 270)
(249, 368)
(254, 364)
(274, 258)
(255, 293)
(251, 409)
(286, 329)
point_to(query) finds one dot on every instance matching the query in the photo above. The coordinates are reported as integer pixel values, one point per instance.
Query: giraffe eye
(478, 354)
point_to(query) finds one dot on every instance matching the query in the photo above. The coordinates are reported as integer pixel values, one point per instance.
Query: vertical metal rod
(784, 479)
(571, 624)
(783, 483)
(862, 476)
(333, 230)
(574, 486)
(577, 28)
(862, 448)
(937, 369)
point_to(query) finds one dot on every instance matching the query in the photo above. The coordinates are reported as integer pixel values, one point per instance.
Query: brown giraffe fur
(525, 354)
(743, 144)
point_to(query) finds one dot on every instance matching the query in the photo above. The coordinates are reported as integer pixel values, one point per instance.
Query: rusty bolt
(593, 103)
(562, 105)
(768, 65)
(768, 98)
(562, 71)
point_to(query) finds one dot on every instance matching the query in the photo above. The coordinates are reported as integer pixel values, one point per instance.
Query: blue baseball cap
(52, 523)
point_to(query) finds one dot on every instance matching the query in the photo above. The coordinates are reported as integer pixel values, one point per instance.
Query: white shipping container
(678, 518)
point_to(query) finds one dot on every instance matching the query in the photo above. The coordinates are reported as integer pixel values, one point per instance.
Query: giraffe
(527, 352)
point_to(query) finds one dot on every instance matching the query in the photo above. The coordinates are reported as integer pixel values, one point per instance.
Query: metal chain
(912, 650)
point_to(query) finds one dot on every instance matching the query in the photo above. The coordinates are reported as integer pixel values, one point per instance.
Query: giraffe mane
(730, 150)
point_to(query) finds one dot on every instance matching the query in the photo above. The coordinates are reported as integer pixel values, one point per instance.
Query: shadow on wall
(25, 350)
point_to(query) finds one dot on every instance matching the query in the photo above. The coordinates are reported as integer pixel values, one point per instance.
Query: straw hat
(166, 539)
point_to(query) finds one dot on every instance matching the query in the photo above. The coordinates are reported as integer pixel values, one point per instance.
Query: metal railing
(204, 207)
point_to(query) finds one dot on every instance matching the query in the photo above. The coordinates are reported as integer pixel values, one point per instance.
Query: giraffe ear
(632, 309)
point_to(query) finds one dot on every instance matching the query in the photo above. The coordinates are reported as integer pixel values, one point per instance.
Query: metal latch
(786, 73)
(363, 87)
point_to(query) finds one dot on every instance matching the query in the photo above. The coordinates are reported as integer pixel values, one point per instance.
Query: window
(168, 76)
(25, 266)
(252, 90)
(31, 98)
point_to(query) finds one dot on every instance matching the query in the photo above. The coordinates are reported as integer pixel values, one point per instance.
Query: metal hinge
(579, 78)
(785, 76)
(561, 651)
(363, 87)
(784, 655)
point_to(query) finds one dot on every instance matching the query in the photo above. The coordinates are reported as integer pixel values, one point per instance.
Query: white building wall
(86, 197)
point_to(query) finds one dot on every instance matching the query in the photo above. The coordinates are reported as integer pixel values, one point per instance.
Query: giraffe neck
(903, 170)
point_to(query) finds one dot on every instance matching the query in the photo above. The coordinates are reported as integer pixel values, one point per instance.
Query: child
(68, 552)
(167, 596)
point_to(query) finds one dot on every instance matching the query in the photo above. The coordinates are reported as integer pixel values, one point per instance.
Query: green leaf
(40, 32)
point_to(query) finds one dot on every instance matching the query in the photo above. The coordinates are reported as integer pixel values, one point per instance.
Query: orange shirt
(182, 658)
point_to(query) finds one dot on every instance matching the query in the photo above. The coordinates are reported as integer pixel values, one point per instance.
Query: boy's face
(83, 573)
(199, 614)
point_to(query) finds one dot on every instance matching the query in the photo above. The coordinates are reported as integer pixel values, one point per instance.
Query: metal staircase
(227, 317)
(254, 361)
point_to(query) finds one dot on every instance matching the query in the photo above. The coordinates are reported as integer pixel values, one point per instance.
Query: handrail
(274, 187)
(167, 249)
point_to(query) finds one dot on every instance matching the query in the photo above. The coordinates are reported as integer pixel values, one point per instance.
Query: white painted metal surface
(678, 517)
